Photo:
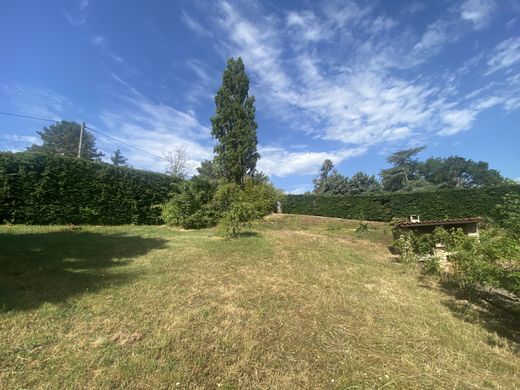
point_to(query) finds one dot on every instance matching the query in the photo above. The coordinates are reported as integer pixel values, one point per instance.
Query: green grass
(297, 302)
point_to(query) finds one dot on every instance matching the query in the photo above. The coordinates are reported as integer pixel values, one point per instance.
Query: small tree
(234, 125)
(63, 138)
(118, 159)
(177, 163)
(320, 181)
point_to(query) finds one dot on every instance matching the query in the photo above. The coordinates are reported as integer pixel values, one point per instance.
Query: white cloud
(39, 102)
(308, 26)
(281, 162)
(300, 189)
(156, 128)
(83, 4)
(98, 40)
(505, 55)
(477, 12)
(360, 101)
(457, 121)
(194, 25)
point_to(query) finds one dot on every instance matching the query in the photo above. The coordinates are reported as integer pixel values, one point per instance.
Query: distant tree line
(408, 174)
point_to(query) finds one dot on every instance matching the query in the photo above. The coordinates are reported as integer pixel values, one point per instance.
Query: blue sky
(345, 80)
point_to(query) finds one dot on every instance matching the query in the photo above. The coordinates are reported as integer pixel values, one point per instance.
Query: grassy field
(296, 302)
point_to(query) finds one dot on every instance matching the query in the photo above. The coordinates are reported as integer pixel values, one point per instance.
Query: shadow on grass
(495, 312)
(247, 234)
(51, 267)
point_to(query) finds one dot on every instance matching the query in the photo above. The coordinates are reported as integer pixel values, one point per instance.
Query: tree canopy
(118, 159)
(330, 182)
(403, 175)
(408, 173)
(63, 138)
(234, 126)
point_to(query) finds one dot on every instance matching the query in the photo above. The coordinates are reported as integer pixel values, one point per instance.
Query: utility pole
(81, 139)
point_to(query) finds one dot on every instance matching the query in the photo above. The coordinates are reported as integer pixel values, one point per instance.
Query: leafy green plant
(431, 266)
(190, 207)
(238, 215)
(404, 247)
(362, 227)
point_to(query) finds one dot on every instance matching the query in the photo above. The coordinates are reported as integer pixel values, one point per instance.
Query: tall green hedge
(453, 203)
(40, 188)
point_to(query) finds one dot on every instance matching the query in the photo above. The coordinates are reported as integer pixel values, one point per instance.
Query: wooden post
(81, 139)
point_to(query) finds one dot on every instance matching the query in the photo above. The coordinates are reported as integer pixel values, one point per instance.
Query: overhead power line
(27, 116)
(87, 127)
(125, 143)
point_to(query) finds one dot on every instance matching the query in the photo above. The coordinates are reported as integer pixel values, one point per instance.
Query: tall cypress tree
(234, 125)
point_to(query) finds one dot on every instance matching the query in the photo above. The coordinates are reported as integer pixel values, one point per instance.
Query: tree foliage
(459, 172)
(208, 169)
(234, 126)
(320, 181)
(118, 159)
(409, 174)
(330, 182)
(63, 138)
(361, 184)
(201, 202)
(403, 175)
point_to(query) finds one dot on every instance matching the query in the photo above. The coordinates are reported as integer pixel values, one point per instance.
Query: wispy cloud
(102, 42)
(505, 55)
(361, 101)
(478, 12)
(195, 26)
(98, 40)
(78, 16)
(281, 162)
(34, 101)
(308, 26)
(155, 127)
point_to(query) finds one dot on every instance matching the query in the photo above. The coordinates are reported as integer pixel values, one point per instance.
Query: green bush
(239, 214)
(190, 207)
(431, 266)
(37, 188)
(362, 227)
(200, 203)
(404, 247)
(454, 203)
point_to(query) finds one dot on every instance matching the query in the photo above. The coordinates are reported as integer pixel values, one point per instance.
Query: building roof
(441, 222)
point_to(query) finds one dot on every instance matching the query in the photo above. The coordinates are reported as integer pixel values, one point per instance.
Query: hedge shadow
(52, 267)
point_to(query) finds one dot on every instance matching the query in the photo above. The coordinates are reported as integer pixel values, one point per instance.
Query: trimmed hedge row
(38, 188)
(454, 203)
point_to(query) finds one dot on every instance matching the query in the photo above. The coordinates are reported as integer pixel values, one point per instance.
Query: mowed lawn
(297, 302)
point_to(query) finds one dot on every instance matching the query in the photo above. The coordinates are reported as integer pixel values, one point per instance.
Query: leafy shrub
(238, 215)
(189, 207)
(238, 205)
(362, 227)
(38, 188)
(404, 247)
(431, 266)
(201, 202)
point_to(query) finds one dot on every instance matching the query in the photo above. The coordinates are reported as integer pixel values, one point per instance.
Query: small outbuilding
(468, 225)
